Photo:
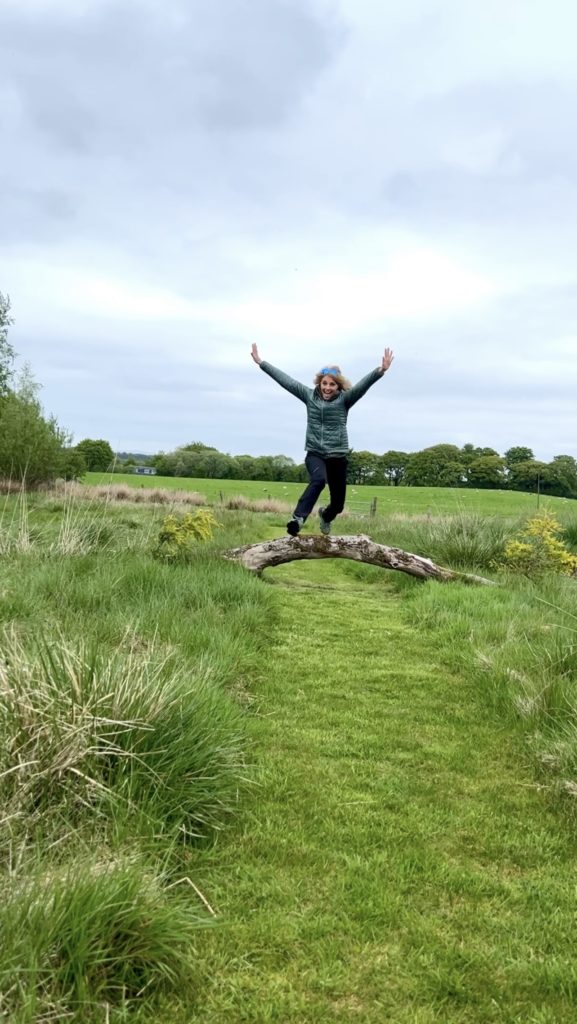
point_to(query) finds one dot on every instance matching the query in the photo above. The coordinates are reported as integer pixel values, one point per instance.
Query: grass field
(404, 500)
(334, 794)
(398, 863)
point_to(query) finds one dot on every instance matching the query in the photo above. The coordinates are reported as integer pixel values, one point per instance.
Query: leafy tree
(30, 445)
(528, 475)
(558, 477)
(564, 470)
(394, 466)
(216, 465)
(263, 468)
(163, 463)
(188, 464)
(26, 385)
(470, 452)
(72, 464)
(487, 471)
(518, 454)
(438, 466)
(243, 467)
(7, 353)
(98, 454)
(452, 475)
(284, 468)
(197, 446)
(363, 467)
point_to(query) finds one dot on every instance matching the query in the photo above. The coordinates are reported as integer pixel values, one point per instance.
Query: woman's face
(329, 387)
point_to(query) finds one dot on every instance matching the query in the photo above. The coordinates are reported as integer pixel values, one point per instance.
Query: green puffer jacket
(326, 420)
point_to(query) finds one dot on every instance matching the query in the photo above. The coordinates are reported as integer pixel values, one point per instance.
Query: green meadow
(403, 500)
(334, 793)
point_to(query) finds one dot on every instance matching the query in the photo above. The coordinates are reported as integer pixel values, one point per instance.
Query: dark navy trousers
(321, 472)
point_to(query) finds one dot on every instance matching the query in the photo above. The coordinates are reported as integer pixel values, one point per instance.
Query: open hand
(255, 355)
(387, 359)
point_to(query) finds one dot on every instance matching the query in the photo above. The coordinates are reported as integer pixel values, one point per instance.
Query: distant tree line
(442, 465)
(201, 461)
(446, 465)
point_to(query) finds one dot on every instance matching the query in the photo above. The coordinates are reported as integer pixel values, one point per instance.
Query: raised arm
(288, 383)
(362, 386)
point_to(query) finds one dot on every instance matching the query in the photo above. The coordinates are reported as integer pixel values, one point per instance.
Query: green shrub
(30, 444)
(538, 549)
(72, 464)
(180, 534)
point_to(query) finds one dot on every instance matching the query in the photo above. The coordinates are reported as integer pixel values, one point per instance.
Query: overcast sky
(323, 177)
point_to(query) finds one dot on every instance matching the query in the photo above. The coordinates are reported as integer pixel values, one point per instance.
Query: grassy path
(396, 864)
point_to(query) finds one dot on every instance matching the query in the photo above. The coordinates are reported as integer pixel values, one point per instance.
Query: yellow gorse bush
(538, 549)
(179, 534)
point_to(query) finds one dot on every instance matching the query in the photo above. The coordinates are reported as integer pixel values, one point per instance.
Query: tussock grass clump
(237, 502)
(15, 535)
(80, 941)
(80, 535)
(569, 534)
(134, 740)
(458, 541)
(79, 531)
(141, 495)
(159, 496)
(122, 492)
(471, 540)
(9, 486)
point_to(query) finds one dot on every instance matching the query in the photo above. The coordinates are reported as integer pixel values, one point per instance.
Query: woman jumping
(327, 443)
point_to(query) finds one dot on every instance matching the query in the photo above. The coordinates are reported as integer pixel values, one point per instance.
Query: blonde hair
(336, 373)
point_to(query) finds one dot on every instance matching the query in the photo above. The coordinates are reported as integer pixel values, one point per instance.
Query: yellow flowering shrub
(179, 534)
(538, 549)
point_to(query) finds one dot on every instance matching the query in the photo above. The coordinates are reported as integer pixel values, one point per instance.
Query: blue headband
(330, 371)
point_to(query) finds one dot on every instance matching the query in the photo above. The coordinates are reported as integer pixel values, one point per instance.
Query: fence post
(373, 510)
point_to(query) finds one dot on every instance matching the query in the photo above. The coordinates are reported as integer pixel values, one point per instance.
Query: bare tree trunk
(257, 557)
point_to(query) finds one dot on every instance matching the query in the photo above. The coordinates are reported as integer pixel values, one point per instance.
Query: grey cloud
(534, 116)
(181, 145)
(153, 127)
(67, 122)
(124, 72)
(535, 162)
(263, 62)
(38, 214)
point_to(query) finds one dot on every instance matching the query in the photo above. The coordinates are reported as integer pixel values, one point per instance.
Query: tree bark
(360, 548)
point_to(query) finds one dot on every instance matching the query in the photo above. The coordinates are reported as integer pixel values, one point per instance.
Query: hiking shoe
(294, 525)
(325, 527)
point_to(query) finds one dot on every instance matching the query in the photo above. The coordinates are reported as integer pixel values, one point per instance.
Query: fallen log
(360, 548)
